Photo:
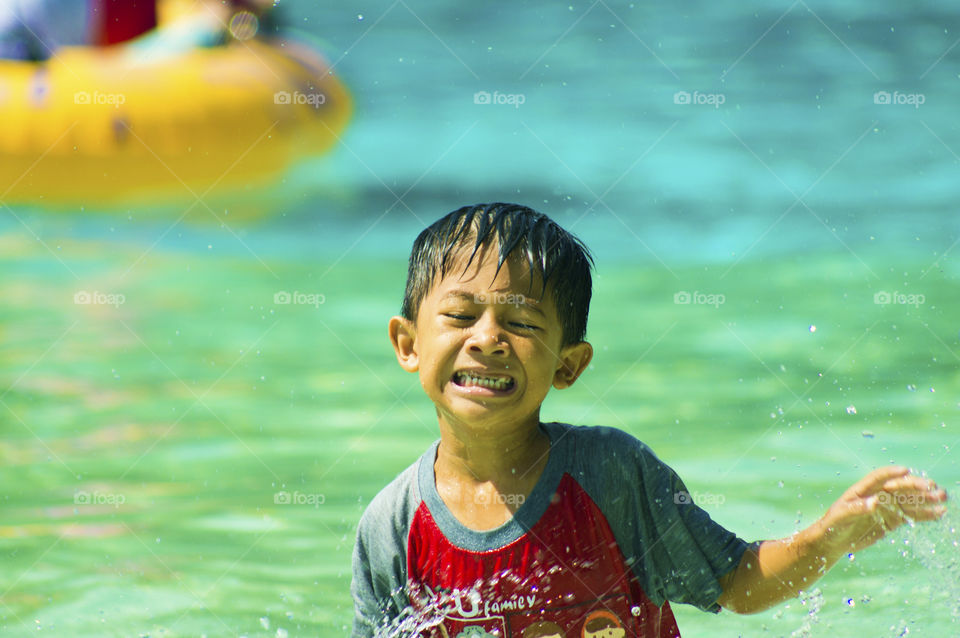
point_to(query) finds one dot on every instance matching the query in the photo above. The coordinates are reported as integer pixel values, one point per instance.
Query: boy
(510, 527)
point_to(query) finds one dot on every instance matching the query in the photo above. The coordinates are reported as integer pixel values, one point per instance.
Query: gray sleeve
(673, 546)
(380, 557)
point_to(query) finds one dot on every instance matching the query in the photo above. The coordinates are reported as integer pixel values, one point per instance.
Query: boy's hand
(879, 503)
(772, 571)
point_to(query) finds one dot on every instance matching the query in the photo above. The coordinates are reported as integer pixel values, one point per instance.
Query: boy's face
(486, 348)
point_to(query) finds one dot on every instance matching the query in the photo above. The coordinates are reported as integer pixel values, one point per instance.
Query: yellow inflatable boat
(98, 127)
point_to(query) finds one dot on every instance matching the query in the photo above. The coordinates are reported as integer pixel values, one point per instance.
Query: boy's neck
(516, 456)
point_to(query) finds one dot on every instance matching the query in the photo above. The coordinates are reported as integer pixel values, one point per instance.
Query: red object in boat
(115, 21)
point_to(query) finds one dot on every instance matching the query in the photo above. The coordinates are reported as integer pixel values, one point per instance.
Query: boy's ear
(403, 336)
(574, 359)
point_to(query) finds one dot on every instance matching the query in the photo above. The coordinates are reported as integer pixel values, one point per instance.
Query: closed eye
(525, 326)
(458, 317)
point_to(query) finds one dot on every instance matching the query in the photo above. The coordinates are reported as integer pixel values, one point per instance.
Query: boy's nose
(488, 338)
(488, 344)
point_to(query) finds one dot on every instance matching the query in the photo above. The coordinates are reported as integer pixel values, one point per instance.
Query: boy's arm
(773, 571)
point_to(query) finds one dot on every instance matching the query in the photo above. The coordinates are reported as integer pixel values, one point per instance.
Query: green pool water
(192, 458)
(184, 454)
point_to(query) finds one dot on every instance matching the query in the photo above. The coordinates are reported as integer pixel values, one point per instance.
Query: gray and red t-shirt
(607, 536)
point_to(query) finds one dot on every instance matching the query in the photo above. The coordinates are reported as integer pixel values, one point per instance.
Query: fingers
(910, 481)
(914, 496)
(874, 481)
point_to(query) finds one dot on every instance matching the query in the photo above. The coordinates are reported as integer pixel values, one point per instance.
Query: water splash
(936, 546)
(812, 601)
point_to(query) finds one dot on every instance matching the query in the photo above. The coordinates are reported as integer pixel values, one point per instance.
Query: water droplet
(867, 434)
(635, 611)
(911, 387)
(359, 17)
(264, 622)
(813, 328)
(851, 409)
(850, 602)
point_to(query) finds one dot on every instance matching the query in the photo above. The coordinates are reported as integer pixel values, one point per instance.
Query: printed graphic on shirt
(474, 631)
(603, 624)
(543, 629)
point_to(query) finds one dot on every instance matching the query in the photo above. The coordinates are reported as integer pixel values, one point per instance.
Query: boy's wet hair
(559, 259)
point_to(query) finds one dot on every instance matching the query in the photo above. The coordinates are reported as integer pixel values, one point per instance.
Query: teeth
(501, 383)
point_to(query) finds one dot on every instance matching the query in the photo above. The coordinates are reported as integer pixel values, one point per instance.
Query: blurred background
(204, 233)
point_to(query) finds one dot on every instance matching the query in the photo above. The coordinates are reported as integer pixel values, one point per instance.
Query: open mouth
(491, 381)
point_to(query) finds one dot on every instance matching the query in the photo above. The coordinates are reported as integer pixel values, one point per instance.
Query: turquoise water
(150, 441)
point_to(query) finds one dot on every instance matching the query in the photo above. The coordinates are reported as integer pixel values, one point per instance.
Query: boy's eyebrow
(518, 300)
